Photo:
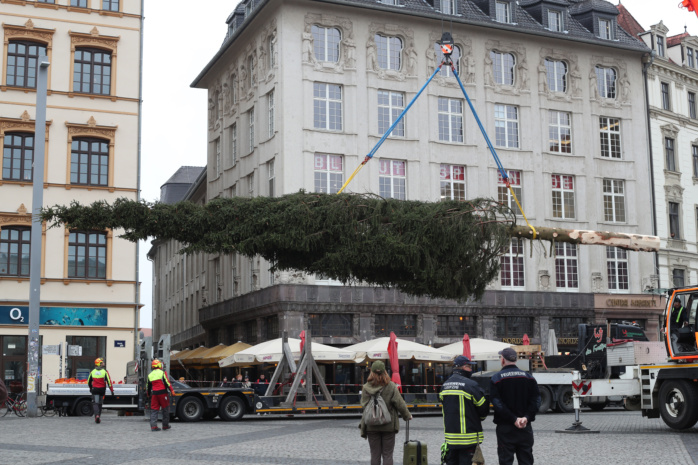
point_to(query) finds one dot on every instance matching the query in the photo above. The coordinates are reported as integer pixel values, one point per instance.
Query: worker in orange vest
(99, 381)
(158, 385)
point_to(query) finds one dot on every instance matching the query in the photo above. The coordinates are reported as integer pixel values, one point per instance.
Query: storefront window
(330, 324)
(401, 325)
(13, 361)
(514, 327)
(455, 326)
(80, 366)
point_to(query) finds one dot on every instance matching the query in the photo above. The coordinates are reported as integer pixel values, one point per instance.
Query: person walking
(98, 381)
(381, 438)
(515, 396)
(464, 406)
(158, 385)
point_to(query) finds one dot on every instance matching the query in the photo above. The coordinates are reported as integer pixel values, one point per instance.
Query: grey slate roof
(176, 188)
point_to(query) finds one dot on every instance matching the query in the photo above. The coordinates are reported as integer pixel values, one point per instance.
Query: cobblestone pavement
(625, 438)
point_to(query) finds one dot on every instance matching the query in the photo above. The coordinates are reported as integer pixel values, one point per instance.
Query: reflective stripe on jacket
(158, 382)
(99, 379)
(464, 406)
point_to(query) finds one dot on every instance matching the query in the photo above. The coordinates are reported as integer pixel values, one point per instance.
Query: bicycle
(16, 404)
(47, 410)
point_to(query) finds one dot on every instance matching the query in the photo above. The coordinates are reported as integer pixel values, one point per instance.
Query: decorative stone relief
(521, 79)
(674, 192)
(347, 45)
(622, 81)
(466, 65)
(670, 130)
(543, 280)
(574, 77)
(406, 35)
(596, 282)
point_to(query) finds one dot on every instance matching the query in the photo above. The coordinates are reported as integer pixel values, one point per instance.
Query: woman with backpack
(378, 395)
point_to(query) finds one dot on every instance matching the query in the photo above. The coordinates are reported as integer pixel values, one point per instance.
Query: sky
(180, 40)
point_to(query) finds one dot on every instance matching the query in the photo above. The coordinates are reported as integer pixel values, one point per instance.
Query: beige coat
(393, 400)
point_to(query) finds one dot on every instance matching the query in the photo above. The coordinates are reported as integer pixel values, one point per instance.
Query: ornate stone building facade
(89, 280)
(300, 92)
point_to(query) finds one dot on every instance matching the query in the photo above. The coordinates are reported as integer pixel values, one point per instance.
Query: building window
(660, 45)
(390, 105)
(234, 142)
(556, 74)
(87, 255)
(79, 3)
(666, 102)
(402, 325)
(272, 325)
(446, 71)
(15, 247)
(218, 156)
(560, 132)
(270, 106)
(389, 52)
(563, 196)
(110, 5)
(555, 21)
(606, 82)
(689, 55)
(250, 120)
(79, 367)
(614, 200)
(678, 277)
(89, 162)
(674, 220)
(392, 179)
(22, 62)
(329, 173)
(605, 29)
(692, 105)
(17, 156)
(514, 326)
(694, 151)
(326, 42)
(566, 271)
(504, 195)
(327, 106)
(450, 120)
(452, 182)
(272, 178)
(670, 155)
(506, 126)
(46, 1)
(389, 2)
(503, 67)
(503, 12)
(511, 274)
(250, 331)
(92, 71)
(610, 137)
(617, 268)
(455, 326)
(330, 324)
(448, 7)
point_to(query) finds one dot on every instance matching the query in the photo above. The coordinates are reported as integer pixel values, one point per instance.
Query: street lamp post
(36, 231)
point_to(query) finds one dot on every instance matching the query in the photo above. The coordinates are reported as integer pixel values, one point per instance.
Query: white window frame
(386, 54)
(605, 29)
(271, 178)
(553, 77)
(557, 129)
(452, 180)
(392, 184)
(563, 196)
(500, 74)
(566, 267)
(450, 115)
(661, 45)
(326, 101)
(512, 261)
(558, 25)
(614, 200)
(502, 12)
(448, 7)
(328, 173)
(270, 107)
(234, 142)
(392, 110)
(503, 193)
(324, 48)
(617, 268)
(250, 115)
(608, 128)
(509, 125)
(604, 89)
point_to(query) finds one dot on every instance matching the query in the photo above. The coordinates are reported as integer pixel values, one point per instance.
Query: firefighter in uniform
(464, 407)
(516, 400)
(98, 382)
(158, 385)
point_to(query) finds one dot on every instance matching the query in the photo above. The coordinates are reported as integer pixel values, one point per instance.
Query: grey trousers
(382, 445)
(97, 404)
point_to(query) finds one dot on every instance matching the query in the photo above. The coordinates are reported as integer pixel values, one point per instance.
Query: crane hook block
(446, 44)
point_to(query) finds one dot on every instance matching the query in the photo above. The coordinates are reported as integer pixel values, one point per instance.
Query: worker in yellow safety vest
(99, 381)
(158, 386)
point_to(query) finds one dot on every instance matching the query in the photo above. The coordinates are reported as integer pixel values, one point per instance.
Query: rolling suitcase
(415, 452)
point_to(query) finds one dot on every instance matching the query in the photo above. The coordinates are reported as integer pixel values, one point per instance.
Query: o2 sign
(16, 315)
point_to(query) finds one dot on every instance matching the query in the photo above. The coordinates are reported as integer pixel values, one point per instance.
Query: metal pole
(36, 231)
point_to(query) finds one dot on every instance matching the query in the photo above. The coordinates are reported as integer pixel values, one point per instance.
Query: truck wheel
(565, 402)
(83, 409)
(678, 403)
(546, 399)
(190, 409)
(231, 409)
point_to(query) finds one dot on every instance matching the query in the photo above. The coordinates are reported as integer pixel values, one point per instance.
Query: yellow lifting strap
(358, 168)
(521, 210)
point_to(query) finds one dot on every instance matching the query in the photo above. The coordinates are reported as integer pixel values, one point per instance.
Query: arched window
(389, 52)
(503, 67)
(326, 42)
(556, 72)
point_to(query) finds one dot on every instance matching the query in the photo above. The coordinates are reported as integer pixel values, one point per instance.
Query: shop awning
(214, 354)
(377, 349)
(180, 354)
(270, 352)
(480, 349)
(189, 355)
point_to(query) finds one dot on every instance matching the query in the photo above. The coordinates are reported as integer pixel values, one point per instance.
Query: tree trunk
(579, 236)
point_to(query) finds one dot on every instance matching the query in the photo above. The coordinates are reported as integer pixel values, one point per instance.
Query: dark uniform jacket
(464, 406)
(514, 394)
(678, 317)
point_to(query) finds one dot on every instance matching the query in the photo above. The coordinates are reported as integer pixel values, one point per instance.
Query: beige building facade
(89, 279)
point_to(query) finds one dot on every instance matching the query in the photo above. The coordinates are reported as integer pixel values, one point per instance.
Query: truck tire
(231, 409)
(190, 409)
(565, 402)
(678, 403)
(83, 408)
(546, 399)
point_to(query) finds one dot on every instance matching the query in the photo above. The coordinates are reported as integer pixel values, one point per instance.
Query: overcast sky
(180, 40)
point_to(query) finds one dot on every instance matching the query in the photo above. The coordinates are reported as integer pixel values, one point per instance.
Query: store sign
(643, 303)
(75, 351)
(51, 349)
(55, 316)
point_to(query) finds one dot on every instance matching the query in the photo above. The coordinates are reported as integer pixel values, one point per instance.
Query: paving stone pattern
(625, 438)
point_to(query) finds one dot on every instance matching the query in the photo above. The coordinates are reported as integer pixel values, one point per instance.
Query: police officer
(464, 407)
(158, 385)
(98, 382)
(514, 394)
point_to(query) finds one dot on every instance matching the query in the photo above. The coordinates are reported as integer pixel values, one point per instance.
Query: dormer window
(448, 7)
(689, 57)
(503, 12)
(660, 45)
(388, 2)
(555, 21)
(248, 9)
(606, 29)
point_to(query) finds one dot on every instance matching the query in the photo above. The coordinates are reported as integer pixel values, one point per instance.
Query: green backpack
(376, 412)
